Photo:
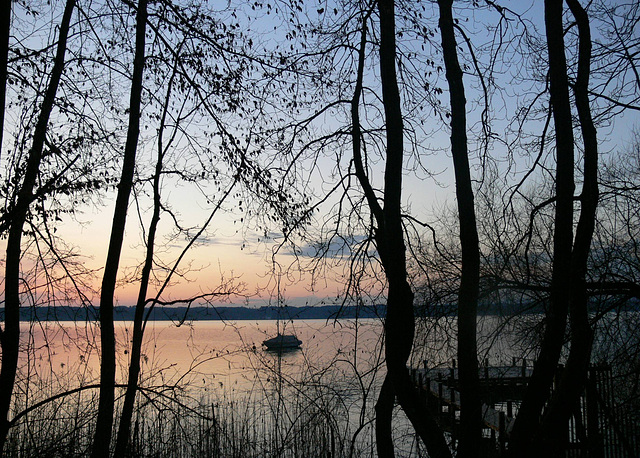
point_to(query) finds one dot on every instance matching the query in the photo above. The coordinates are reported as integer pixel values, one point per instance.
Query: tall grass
(302, 421)
(278, 409)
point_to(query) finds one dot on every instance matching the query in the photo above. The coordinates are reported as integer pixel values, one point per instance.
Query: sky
(223, 255)
(235, 250)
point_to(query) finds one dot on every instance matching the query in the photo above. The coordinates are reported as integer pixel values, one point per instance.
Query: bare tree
(471, 412)
(568, 289)
(565, 398)
(10, 335)
(104, 422)
(389, 237)
(5, 25)
(136, 347)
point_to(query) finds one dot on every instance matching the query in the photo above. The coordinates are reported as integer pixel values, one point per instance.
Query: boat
(282, 342)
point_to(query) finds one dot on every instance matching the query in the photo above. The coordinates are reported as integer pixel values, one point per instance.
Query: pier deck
(501, 391)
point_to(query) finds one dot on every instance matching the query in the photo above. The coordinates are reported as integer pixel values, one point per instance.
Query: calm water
(227, 359)
(324, 391)
(221, 368)
(210, 355)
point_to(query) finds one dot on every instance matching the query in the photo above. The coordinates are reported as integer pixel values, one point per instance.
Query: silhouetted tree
(470, 412)
(389, 237)
(10, 335)
(560, 295)
(5, 25)
(573, 377)
(104, 422)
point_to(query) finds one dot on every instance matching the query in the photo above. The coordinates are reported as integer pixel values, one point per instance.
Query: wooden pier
(597, 429)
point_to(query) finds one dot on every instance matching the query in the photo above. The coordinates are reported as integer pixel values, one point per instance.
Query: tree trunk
(399, 327)
(104, 423)
(384, 415)
(124, 426)
(470, 404)
(5, 25)
(10, 336)
(574, 375)
(386, 397)
(526, 426)
(399, 323)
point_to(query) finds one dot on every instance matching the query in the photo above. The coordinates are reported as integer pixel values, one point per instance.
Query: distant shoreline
(201, 313)
(285, 313)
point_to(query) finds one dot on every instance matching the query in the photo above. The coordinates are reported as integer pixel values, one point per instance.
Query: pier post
(452, 407)
(594, 440)
(502, 433)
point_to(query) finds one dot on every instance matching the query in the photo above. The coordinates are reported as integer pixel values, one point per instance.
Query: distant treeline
(232, 313)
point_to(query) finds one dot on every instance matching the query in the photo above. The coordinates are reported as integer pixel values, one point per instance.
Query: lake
(214, 379)
(229, 353)
(320, 396)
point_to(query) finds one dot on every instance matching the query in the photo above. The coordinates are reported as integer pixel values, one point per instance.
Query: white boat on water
(282, 342)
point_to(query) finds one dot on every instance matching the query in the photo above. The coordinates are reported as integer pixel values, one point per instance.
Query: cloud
(213, 241)
(336, 248)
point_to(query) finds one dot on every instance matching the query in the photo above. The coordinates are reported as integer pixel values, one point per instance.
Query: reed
(271, 415)
(311, 424)
(313, 403)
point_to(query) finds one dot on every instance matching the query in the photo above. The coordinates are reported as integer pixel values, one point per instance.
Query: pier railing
(598, 428)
